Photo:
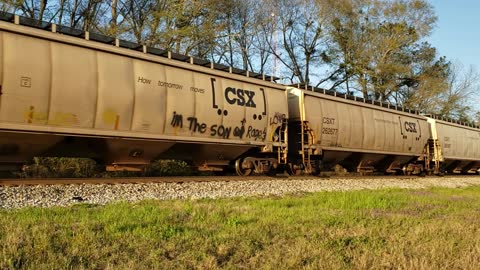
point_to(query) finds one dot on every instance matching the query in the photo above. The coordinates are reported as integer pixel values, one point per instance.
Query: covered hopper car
(65, 92)
(63, 95)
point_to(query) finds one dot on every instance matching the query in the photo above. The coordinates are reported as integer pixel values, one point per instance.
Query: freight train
(70, 93)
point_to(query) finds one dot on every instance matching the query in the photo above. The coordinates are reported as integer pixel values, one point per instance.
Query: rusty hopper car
(360, 136)
(66, 95)
(454, 148)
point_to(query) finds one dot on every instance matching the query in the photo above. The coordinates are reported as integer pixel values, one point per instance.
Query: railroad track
(126, 180)
(188, 179)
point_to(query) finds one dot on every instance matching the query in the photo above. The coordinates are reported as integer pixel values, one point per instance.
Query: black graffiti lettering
(411, 127)
(196, 126)
(256, 134)
(277, 118)
(239, 131)
(237, 96)
(220, 131)
(177, 120)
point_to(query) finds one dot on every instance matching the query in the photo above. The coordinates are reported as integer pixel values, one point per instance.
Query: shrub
(168, 168)
(61, 167)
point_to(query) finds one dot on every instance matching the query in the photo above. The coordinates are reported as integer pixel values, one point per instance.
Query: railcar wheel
(293, 170)
(243, 167)
(315, 168)
(272, 171)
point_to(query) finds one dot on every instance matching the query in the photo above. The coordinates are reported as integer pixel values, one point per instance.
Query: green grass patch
(410, 229)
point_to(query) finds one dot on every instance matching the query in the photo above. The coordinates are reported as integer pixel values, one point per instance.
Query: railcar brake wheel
(243, 168)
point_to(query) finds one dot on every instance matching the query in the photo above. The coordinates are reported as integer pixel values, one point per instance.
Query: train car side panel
(1, 66)
(234, 109)
(115, 92)
(255, 122)
(208, 105)
(150, 98)
(368, 130)
(327, 124)
(458, 142)
(26, 82)
(356, 138)
(344, 124)
(180, 100)
(277, 110)
(392, 137)
(380, 128)
(344, 128)
(74, 86)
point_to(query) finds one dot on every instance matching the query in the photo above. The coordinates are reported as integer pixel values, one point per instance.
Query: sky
(457, 34)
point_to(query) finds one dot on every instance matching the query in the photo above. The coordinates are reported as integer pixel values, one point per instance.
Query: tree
(457, 99)
(298, 45)
(373, 42)
(426, 80)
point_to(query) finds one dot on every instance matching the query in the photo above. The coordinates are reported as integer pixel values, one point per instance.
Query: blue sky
(457, 35)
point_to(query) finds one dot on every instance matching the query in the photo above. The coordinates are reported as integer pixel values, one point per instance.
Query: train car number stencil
(329, 127)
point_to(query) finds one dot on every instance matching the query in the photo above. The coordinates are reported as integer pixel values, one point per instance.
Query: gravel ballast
(12, 197)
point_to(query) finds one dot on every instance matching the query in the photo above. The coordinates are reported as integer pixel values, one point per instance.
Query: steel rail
(192, 179)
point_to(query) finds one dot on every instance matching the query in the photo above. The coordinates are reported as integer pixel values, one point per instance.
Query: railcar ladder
(283, 140)
(433, 153)
(307, 140)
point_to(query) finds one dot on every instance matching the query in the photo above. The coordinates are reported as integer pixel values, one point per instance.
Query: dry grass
(426, 229)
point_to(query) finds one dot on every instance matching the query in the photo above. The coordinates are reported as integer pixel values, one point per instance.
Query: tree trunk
(113, 22)
(60, 16)
(43, 5)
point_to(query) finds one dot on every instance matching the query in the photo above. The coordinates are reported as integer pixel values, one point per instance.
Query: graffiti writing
(196, 126)
(256, 134)
(221, 131)
(239, 131)
(177, 120)
(277, 118)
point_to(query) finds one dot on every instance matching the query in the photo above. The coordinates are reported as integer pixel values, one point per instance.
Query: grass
(409, 229)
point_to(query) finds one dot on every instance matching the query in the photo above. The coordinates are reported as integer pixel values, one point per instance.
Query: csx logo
(240, 97)
(411, 127)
